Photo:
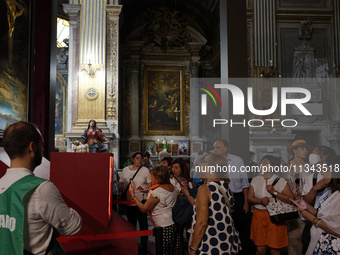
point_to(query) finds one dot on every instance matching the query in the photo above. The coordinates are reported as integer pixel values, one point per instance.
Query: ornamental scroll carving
(165, 28)
(112, 68)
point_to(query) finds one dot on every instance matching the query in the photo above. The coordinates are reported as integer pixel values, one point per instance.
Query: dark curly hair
(185, 171)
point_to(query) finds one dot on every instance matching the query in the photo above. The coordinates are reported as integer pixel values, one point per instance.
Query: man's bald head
(18, 136)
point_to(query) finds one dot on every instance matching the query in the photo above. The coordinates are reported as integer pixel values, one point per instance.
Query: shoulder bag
(123, 195)
(280, 211)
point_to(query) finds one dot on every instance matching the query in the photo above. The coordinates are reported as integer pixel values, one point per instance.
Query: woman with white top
(263, 231)
(141, 179)
(161, 198)
(325, 216)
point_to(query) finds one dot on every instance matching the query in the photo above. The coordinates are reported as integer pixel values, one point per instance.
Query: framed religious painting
(15, 50)
(164, 112)
(196, 147)
(183, 148)
(150, 146)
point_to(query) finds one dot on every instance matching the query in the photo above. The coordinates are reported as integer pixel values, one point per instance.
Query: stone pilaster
(112, 70)
(134, 100)
(73, 11)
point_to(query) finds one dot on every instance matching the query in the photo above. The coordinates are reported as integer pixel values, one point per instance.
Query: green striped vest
(12, 213)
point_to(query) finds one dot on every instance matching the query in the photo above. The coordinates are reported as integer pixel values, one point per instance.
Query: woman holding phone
(141, 177)
(161, 198)
(325, 216)
(180, 175)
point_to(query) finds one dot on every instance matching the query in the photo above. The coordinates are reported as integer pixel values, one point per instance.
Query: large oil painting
(164, 101)
(14, 60)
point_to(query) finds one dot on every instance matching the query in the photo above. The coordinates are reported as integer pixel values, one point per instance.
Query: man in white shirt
(296, 179)
(46, 213)
(239, 185)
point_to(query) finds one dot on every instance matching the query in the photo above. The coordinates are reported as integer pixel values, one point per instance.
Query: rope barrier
(118, 202)
(101, 237)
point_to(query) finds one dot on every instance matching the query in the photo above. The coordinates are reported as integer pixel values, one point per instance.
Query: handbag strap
(132, 178)
(224, 195)
(273, 184)
(276, 181)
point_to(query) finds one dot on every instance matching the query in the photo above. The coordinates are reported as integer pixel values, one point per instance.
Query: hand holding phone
(294, 203)
(180, 183)
(299, 203)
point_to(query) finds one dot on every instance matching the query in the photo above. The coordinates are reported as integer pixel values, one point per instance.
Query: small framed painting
(150, 146)
(196, 147)
(183, 148)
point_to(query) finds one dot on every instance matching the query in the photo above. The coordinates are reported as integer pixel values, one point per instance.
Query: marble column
(134, 100)
(195, 98)
(92, 64)
(73, 11)
(337, 37)
(265, 33)
(134, 70)
(234, 51)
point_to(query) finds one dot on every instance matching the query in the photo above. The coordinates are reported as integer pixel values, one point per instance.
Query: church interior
(130, 65)
(153, 73)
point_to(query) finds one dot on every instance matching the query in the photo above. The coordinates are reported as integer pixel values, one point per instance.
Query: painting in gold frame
(14, 61)
(164, 111)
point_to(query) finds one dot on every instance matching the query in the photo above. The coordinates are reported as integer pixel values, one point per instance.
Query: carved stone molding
(165, 28)
(194, 67)
(62, 59)
(187, 69)
(112, 69)
(289, 17)
(134, 66)
(72, 10)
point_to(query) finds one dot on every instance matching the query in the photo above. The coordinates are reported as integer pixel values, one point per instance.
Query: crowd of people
(230, 212)
(205, 212)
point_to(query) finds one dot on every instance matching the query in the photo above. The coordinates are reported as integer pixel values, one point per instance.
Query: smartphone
(178, 181)
(293, 202)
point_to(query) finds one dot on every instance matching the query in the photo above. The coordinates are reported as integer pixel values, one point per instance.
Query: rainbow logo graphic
(204, 97)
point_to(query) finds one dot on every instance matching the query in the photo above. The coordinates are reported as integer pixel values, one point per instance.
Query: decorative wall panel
(303, 4)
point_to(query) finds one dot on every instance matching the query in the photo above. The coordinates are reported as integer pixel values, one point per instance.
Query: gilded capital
(113, 11)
